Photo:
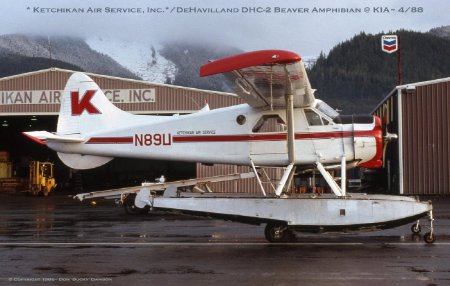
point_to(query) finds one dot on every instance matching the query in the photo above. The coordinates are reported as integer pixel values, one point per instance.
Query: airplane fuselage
(232, 135)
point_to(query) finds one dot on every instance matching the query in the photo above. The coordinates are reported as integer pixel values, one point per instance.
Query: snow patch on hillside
(141, 58)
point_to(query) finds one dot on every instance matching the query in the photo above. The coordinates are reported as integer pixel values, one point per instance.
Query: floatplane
(281, 124)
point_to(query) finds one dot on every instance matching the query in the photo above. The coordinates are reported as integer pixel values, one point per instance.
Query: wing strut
(329, 179)
(286, 179)
(290, 169)
(289, 97)
(290, 127)
(343, 176)
(257, 177)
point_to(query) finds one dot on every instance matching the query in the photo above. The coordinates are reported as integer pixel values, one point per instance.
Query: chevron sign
(389, 43)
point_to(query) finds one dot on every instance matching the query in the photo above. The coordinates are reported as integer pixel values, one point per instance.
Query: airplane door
(270, 139)
(327, 140)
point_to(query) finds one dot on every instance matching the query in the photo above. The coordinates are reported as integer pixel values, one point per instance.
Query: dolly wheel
(429, 237)
(131, 208)
(278, 233)
(415, 228)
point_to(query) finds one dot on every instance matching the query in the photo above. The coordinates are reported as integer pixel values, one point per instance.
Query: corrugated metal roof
(404, 86)
(113, 78)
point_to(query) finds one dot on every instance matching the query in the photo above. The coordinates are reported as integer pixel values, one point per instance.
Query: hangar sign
(54, 96)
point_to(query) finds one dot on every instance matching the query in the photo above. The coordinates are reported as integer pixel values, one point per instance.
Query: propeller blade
(387, 137)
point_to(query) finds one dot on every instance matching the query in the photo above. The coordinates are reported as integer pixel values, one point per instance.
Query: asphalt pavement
(59, 241)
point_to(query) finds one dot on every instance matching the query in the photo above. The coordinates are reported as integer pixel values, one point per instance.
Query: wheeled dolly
(428, 237)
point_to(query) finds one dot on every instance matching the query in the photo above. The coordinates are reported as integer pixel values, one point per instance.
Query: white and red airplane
(281, 124)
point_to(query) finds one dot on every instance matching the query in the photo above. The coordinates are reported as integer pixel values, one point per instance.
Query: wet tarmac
(59, 241)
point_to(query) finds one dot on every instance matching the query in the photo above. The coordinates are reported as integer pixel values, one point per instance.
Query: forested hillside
(356, 74)
(14, 64)
(443, 31)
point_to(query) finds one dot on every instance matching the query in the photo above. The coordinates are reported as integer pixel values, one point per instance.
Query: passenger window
(313, 118)
(270, 123)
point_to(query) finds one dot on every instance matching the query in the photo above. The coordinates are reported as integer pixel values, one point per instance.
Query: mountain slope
(188, 57)
(66, 49)
(142, 58)
(175, 63)
(15, 64)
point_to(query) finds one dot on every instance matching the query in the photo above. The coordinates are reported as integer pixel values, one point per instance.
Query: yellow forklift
(42, 181)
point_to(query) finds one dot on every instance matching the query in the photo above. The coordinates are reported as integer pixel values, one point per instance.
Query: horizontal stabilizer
(42, 136)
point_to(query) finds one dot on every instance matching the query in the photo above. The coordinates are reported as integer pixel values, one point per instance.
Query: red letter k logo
(78, 106)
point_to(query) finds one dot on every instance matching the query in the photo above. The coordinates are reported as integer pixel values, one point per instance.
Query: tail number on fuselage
(157, 139)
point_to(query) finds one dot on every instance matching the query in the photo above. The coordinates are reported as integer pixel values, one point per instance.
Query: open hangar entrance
(419, 162)
(31, 101)
(120, 172)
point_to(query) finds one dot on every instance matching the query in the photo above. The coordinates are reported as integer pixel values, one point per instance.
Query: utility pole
(399, 63)
(391, 44)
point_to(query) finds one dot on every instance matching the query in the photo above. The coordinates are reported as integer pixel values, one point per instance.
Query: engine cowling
(377, 133)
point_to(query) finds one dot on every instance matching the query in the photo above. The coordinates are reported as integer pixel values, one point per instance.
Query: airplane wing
(263, 78)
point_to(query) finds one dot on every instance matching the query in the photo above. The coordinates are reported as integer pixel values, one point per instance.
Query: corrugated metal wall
(239, 186)
(51, 80)
(426, 139)
(169, 99)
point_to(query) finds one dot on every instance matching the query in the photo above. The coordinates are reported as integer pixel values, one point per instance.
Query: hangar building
(419, 162)
(31, 101)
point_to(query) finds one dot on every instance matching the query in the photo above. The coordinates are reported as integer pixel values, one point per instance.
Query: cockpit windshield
(326, 109)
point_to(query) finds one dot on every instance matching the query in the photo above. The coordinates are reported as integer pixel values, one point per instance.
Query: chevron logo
(389, 43)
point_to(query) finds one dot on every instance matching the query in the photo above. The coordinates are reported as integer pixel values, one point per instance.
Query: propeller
(387, 137)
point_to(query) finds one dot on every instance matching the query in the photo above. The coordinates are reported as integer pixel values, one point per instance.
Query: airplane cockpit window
(313, 118)
(270, 123)
(325, 121)
(327, 110)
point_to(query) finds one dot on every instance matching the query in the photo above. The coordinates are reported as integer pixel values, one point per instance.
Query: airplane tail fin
(85, 109)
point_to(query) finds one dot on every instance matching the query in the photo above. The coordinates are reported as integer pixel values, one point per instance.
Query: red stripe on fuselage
(110, 140)
(228, 138)
(269, 137)
(239, 138)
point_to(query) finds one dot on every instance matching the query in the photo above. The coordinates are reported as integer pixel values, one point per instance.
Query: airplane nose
(377, 133)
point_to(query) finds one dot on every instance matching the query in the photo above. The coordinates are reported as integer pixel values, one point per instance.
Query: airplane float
(281, 124)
